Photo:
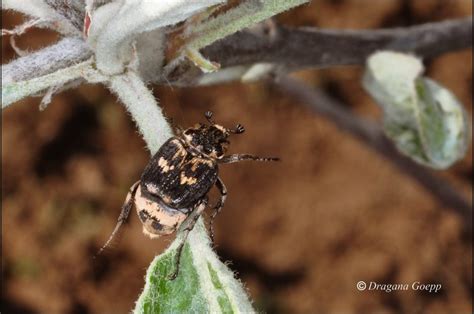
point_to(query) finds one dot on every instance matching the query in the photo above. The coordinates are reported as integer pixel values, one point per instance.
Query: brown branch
(297, 48)
(371, 134)
(313, 47)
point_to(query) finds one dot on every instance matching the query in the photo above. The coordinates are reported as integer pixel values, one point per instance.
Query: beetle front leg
(242, 157)
(222, 189)
(126, 207)
(192, 219)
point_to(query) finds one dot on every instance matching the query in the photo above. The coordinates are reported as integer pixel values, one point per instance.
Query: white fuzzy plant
(121, 44)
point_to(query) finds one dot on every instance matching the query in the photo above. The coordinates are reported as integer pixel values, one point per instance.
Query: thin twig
(314, 47)
(372, 135)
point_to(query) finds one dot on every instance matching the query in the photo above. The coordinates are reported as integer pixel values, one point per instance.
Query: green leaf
(204, 284)
(424, 119)
(444, 127)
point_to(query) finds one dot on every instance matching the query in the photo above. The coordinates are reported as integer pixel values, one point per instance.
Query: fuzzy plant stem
(143, 107)
(204, 284)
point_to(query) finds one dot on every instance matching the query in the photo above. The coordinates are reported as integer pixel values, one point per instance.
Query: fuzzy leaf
(425, 120)
(15, 90)
(204, 284)
(444, 127)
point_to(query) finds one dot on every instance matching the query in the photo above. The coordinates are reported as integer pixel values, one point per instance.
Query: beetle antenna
(208, 116)
(239, 128)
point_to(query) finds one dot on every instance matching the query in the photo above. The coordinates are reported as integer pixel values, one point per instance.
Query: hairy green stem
(204, 284)
(143, 107)
(13, 91)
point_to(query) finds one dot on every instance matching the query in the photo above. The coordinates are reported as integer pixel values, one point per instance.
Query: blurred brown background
(300, 233)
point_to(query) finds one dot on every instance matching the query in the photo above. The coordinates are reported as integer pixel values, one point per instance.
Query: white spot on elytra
(163, 163)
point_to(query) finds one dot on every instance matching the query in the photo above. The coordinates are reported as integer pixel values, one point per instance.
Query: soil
(300, 233)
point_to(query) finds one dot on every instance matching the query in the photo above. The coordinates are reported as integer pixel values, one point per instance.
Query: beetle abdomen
(157, 218)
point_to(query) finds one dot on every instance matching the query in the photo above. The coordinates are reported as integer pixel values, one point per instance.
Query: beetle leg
(192, 219)
(222, 189)
(241, 157)
(126, 207)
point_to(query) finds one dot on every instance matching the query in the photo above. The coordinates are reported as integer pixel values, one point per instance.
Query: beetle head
(210, 140)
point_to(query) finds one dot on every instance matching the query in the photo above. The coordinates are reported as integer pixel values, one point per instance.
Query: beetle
(174, 185)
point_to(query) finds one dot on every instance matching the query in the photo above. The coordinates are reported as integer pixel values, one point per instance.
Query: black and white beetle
(174, 185)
